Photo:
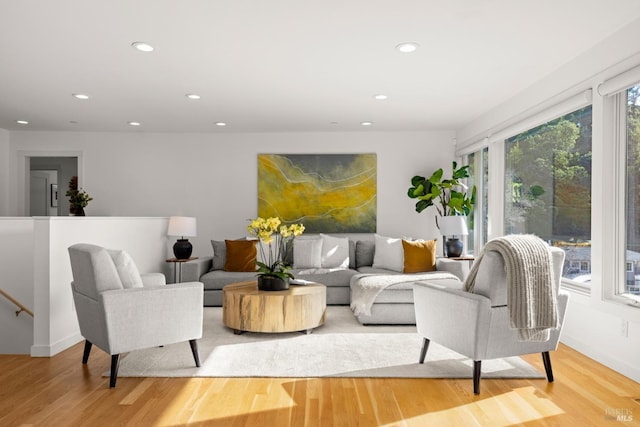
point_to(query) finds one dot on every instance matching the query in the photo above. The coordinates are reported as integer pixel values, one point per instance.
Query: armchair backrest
(491, 280)
(93, 270)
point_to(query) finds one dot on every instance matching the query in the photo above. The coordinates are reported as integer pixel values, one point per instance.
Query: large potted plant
(274, 269)
(451, 198)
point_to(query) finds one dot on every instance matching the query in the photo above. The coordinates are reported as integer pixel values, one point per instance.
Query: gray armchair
(477, 324)
(120, 310)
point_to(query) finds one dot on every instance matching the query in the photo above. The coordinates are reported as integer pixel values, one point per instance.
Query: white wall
(4, 172)
(613, 55)
(16, 265)
(603, 336)
(214, 176)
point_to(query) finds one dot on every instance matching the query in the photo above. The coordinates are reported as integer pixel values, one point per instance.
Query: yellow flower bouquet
(278, 239)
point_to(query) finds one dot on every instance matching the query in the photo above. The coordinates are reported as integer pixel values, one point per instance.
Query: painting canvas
(328, 193)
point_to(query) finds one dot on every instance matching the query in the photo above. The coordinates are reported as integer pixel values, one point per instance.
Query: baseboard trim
(55, 348)
(602, 357)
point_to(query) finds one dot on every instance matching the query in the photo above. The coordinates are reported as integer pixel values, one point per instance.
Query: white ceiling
(283, 65)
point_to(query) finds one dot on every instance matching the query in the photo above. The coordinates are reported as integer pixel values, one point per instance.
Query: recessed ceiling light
(192, 96)
(380, 97)
(407, 47)
(142, 46)
(80, 96)
(366, 123)
(134, 123)
(22, 122)
(221, 123)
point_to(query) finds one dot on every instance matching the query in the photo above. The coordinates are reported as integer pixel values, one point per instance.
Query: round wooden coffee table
(299, 308)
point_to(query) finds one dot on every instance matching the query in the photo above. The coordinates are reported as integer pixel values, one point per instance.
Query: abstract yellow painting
(328, 193)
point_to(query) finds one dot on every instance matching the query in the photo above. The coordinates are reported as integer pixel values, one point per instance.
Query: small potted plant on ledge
(274, 269)
(78, 198)
(452, 201)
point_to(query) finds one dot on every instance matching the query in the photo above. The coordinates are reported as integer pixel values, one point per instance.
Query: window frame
(615, 105)
(479, 209)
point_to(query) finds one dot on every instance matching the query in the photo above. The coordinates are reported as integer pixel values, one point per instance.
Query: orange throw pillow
(241, 255)
(419, 257)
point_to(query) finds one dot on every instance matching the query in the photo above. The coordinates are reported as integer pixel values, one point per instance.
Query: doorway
(43, 193)
(47, 182)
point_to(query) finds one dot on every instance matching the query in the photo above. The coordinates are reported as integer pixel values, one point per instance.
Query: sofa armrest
(452, 317)
(194, 269)
(153, 279)
(460, 269)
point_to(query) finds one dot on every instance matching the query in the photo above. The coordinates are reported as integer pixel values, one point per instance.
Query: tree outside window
(633, 191)
(548, 187)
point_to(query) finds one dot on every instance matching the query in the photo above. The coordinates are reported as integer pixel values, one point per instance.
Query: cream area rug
(342, 347)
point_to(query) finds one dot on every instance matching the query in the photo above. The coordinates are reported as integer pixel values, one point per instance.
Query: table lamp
(453, 226)
(182, 226)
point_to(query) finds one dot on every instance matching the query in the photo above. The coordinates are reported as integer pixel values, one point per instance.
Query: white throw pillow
(335, 252)
(127, 270)
(306, 253)
(389, 254)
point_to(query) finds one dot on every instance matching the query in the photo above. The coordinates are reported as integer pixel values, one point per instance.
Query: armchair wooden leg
(476, 376)
(115, 364)
(425, 347)
(87, 350)
(194, 350)
(546, 359)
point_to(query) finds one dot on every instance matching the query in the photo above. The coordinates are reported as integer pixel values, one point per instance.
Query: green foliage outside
(548, 179)
(633, 168)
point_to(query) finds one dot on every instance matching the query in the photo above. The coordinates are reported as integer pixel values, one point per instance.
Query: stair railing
(17, 303)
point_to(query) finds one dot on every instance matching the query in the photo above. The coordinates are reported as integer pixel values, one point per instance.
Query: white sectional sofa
(393, 304)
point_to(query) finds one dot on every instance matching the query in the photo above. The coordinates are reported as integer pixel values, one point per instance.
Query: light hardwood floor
(60, 391)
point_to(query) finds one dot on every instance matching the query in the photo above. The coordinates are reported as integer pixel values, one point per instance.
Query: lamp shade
(453, 225)
(182, 226)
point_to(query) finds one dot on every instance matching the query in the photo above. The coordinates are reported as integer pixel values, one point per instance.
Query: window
(632, 211)
(548, 188)
(479, 176)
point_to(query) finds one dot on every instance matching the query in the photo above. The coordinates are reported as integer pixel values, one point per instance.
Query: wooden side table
(177, 267)
(299, 308)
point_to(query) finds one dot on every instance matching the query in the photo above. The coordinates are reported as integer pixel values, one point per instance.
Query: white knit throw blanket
(531, 294)
(365, 288)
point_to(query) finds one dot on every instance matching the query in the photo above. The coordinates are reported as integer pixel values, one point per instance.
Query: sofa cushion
(365, 250)
(388, 253)
(375, 270)
(332, 278)
(217, 279)
(307, 253)
(335, 252)
(219, 254)
(419, 256)
(241, 255)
